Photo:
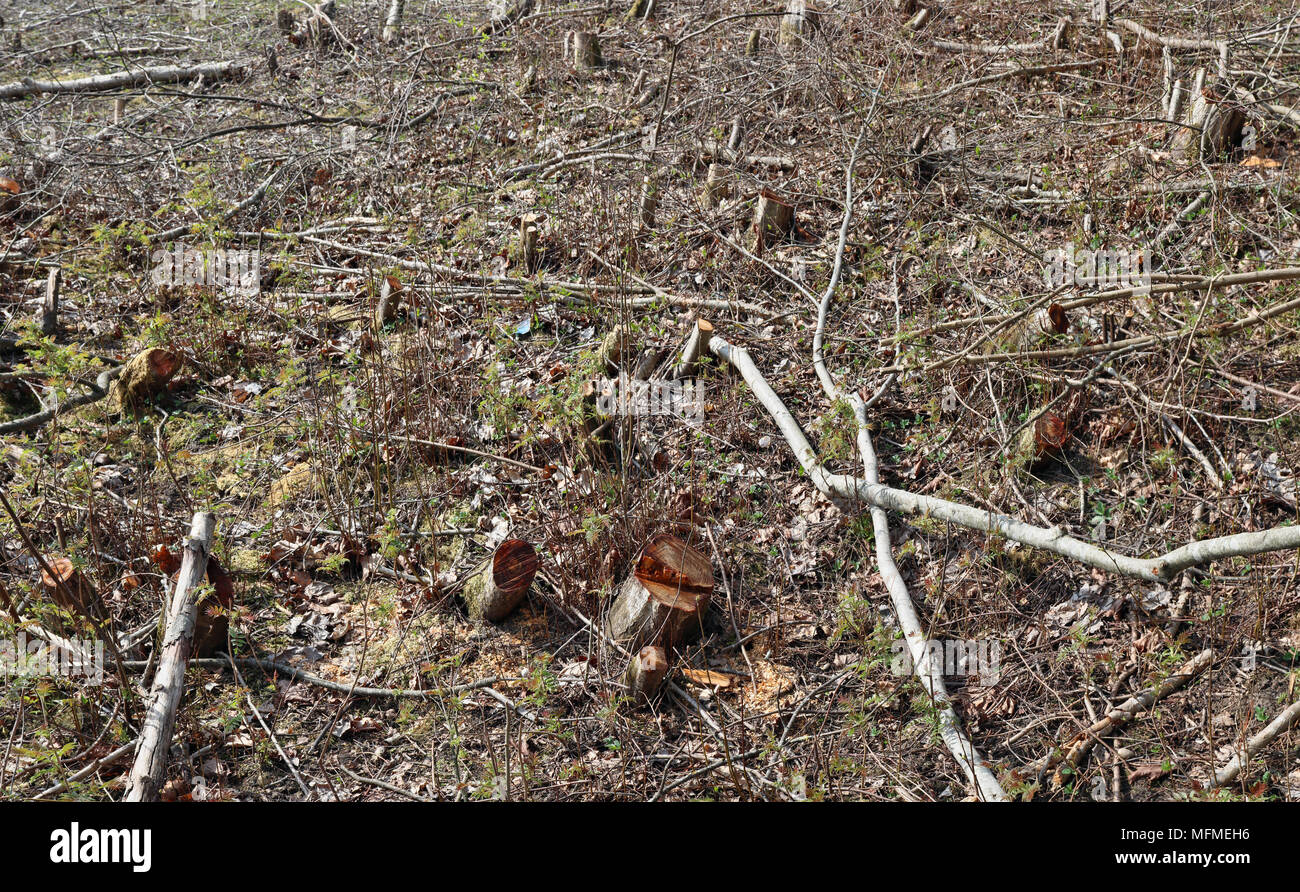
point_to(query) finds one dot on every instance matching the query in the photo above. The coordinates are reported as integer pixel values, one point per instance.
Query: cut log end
(502, 585)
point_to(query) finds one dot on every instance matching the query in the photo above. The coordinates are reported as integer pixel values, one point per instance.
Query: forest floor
(362, 466)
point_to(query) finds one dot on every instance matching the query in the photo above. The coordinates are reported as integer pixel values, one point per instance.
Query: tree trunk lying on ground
(169, 682)
(143, 378)
(663, 601)
(170, 74)
(494, 593)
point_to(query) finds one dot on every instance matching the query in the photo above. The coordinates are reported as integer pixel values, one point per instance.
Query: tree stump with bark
(663, 602)
(69, 588)
(645, 674)
(797, 23)
(143, 378)
(50, 306)
(494, 593)
(773, 220)
(586, 51)
(1212, 127)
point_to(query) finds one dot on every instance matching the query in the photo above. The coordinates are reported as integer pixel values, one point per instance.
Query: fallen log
(662, 603)
(1230, 772)
(151, 756)
(494, 593)
(169, 74)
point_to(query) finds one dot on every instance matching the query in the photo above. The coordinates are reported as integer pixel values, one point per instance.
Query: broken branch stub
(494, 593)
(663, 601)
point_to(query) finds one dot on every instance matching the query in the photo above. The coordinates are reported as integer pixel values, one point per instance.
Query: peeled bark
(495, 592)
(645, 674)
(662, 603)
(143, 378)
(169, 681)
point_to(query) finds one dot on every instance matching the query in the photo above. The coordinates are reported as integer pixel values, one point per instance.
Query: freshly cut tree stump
(586, 51)
(528, 234)
(69, 588)
(773, 219)
(664, 600)
(696, 346)
(496, 591)
(143, 378)
(645, 674)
